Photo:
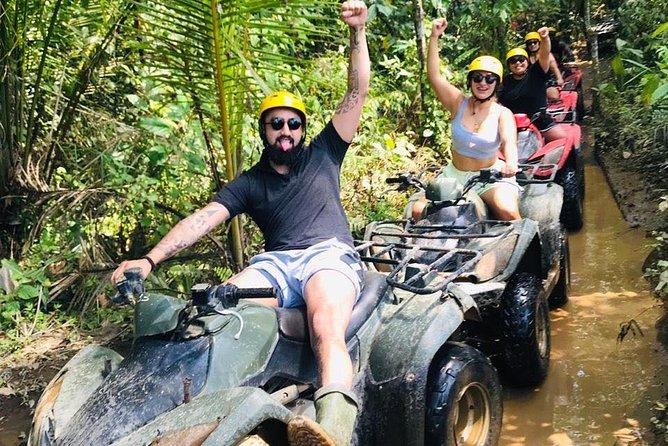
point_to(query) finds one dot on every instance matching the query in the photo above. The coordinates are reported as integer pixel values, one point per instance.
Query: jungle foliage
(632, 106)
(119, 117)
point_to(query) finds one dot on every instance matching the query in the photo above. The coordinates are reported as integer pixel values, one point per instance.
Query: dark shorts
(544, 123)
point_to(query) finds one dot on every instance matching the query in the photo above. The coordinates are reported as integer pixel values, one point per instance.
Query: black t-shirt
(296, 210)
(526, 95)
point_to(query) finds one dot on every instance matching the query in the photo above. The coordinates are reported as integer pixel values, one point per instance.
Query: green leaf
(158, 126)
(617, 66)
(651, 84)
(660, 30)
(659, 93)
(26, 292)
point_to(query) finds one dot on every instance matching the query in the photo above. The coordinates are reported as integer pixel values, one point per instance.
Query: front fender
(400, 358)
(527, 250)
(222, 418)
(71, 387)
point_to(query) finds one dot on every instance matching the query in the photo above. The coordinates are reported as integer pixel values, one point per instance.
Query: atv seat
(293, 324)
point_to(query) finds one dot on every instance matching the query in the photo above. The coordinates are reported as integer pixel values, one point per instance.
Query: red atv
(565, 109)
(566, 154)
(573, 82)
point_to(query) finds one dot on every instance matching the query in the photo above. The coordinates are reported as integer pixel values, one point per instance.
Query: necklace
(477, 121)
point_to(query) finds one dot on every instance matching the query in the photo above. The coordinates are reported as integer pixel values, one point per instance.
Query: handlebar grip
(256, 292)
(395, 180)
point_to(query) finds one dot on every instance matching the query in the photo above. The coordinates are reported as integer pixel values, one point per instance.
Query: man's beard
(282, 157)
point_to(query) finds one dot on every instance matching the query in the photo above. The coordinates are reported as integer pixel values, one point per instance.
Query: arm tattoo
(354, 40)
(352, 95)
(196, 225)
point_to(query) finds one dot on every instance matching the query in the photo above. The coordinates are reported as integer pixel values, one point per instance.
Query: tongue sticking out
(285, 144)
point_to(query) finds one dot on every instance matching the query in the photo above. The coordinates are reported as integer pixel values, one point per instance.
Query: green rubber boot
(336, 411)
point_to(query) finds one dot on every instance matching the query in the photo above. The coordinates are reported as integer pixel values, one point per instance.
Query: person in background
(293, 194)
(532, 45)
(480, 127)
(524, 87)
(562, 53)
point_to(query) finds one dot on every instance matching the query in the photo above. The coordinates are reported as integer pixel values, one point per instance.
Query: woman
(532, 44)
(480, 126)
(524, 87)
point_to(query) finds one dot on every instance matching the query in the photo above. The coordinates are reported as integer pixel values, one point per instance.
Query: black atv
(522, 270)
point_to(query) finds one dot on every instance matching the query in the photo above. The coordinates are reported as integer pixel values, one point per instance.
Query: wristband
(150, 260)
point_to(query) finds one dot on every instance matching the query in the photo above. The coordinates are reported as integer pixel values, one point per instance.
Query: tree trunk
(418, 20)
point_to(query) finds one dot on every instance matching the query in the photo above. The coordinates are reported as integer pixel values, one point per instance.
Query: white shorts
(462, 176)
(288, 271)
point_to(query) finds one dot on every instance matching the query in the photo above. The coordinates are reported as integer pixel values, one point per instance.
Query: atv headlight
(554, 155)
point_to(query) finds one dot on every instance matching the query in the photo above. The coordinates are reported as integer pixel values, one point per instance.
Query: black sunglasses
(277, 123)
(516, 59)
(489, 78)
(532, 42)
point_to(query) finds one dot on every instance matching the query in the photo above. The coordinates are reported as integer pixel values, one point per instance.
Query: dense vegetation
(119, 117)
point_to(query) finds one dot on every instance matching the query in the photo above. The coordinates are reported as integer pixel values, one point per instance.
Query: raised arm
(185, 233)
(508, 134)
(346, 119)
(545, 48)
(554, 67)
(449, 95)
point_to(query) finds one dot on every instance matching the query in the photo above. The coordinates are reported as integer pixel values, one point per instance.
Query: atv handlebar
(205, 297)
(404, 180)
(130, 288)
(216, 298)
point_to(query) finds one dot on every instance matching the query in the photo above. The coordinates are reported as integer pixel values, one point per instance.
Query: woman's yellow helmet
(533, 35)
(487, 63)
(517, 52)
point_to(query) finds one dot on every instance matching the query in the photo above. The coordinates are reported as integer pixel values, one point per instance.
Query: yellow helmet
(282, 99)
(516, 52)
(533, 35)
(487, 63)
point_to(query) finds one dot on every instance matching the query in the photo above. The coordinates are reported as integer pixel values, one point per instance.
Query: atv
(573, 82)
(566, 154)
(523, 268)
(564, 109)
(217, 369)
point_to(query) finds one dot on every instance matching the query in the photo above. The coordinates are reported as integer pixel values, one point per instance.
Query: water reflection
(596, 385)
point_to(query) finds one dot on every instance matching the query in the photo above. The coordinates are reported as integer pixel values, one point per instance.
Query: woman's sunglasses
(515, 59)
(489, 78)
(278, 123)
(532, 42)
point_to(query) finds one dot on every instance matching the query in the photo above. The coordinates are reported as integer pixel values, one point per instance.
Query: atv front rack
(410, 270)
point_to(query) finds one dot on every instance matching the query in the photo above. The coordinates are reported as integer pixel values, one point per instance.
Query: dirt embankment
(637, 198)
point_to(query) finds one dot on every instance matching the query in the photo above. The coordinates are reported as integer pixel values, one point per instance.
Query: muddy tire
(559, 295)
(572, 209)
(526, 330)
(464, 400)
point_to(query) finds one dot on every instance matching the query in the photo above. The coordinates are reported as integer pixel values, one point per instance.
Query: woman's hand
(544, 32)
(438, 26)
(509, 170)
